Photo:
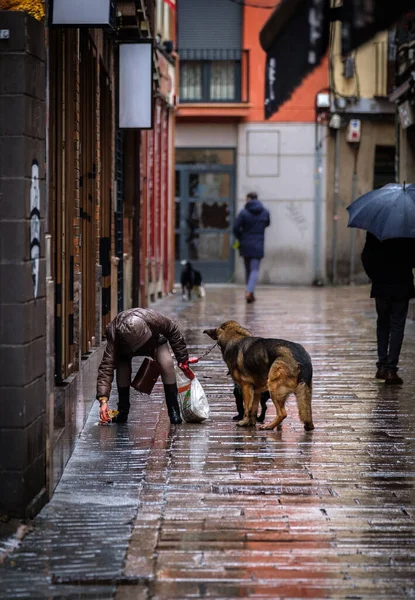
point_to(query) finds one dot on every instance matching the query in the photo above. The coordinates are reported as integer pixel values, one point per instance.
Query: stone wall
(22, 265)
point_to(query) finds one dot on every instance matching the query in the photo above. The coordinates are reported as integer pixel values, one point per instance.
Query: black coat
(389, 265)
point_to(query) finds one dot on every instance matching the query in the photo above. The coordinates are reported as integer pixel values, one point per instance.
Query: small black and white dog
(191, 280)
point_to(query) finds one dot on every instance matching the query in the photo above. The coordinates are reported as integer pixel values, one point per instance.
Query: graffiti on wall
(35, 226)
(295, 213)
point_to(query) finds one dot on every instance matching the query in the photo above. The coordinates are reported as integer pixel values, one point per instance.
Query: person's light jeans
(251, 273)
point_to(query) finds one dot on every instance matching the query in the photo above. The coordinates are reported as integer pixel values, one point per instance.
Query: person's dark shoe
(392, 378)
(174, 415)
(239, 404)
(170, 392)
(264, 397)
(122, 417)
(261, 417)
(123, 405)
(381, 373)
(249, 297)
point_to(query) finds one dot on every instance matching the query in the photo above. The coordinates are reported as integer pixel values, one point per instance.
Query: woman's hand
(184, 366)
(103, 410)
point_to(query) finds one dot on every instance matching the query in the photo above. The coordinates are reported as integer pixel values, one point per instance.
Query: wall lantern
(82, 13)
(136, 85)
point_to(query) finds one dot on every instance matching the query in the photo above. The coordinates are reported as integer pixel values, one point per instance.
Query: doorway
(384, 168)
(205, 206)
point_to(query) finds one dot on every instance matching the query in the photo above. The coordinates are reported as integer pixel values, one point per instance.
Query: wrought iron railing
(214, 76)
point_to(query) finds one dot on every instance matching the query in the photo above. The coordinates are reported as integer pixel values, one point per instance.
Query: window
(210, 81)
(384, 171)
(206, 156)
(222, 80)
(191, 81)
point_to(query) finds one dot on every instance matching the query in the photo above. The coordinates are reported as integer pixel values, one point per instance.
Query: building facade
(87, 214)
(403, 96)
(225, 148)
(361, 144)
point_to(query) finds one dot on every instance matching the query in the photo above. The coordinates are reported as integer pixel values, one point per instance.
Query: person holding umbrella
(388, 257)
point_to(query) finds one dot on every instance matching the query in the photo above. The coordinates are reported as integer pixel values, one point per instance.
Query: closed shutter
(208, 27)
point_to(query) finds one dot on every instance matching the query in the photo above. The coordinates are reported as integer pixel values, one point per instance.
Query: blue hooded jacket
(249, 229)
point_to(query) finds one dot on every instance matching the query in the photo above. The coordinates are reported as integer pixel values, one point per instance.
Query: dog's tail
(303, 395)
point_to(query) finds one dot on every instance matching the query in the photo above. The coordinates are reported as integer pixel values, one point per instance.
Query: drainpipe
(321, 108)
(50, 300)
(398, 149)
(352, 262)
(137, 223)
(336, 198)
(318, 277)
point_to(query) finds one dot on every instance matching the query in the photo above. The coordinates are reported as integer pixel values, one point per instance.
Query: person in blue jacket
(249, 230)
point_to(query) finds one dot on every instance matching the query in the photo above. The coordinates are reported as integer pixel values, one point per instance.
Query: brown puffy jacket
(127, 333)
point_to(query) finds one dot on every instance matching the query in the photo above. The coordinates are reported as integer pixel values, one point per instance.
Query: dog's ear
(212, 333)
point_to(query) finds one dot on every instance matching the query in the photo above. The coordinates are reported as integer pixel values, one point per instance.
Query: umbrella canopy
(388, 212)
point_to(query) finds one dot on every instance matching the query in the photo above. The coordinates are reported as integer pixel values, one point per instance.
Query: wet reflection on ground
(215, 511)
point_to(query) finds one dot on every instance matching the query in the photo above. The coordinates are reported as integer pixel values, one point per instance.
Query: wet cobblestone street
(150, 511)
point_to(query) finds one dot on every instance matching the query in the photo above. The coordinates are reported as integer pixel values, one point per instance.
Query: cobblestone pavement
(214, 511)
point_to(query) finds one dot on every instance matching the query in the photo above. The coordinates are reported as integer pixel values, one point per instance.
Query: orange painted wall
(300, 108)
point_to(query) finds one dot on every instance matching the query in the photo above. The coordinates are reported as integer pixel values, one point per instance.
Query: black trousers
(390, 331)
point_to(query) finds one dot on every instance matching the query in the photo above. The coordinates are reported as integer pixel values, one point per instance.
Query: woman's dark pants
(390, 331)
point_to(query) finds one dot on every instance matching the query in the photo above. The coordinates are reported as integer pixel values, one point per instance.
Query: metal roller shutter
(221, 30)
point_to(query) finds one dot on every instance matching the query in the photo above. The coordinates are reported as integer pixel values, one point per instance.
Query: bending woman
(140, 332)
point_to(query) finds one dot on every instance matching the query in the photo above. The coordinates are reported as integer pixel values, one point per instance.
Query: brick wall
(22, 296)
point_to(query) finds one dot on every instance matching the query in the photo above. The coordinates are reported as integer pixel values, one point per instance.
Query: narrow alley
(148, 510)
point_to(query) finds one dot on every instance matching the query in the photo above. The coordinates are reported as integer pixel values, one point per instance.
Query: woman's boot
(237, 392)
(123, 405)
(170, 392)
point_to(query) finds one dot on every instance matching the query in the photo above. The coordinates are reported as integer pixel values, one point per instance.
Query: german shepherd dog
(258, 364)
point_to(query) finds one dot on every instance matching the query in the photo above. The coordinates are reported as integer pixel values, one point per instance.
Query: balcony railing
(214, 76)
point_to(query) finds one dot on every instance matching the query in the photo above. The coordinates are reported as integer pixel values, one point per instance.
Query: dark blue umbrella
(388, 212)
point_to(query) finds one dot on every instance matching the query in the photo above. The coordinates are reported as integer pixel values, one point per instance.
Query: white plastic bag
(192, 399)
